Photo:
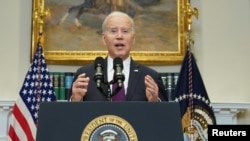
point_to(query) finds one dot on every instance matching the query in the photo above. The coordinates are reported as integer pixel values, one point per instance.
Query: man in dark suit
(141, 82)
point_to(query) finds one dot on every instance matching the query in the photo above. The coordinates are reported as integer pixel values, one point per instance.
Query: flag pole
(189, 12)
(39, 15)
(196, 110)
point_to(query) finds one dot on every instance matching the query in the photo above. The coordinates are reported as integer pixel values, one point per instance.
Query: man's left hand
(151, 89)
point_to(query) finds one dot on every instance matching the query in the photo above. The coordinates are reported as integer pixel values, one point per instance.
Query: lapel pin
(136, 70)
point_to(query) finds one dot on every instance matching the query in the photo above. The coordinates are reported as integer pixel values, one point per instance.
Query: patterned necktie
(120, 95)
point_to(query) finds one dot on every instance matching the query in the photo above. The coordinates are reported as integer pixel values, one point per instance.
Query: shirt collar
(126, 63)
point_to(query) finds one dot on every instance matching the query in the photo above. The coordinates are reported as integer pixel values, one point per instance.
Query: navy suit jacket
(136, 85)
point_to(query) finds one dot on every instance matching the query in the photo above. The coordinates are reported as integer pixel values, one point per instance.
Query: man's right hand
(80, 87)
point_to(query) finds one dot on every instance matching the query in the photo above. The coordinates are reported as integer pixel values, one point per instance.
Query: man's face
(119, 36)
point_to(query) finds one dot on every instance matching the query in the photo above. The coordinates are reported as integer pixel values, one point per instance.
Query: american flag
(196, 110)
(37, 87)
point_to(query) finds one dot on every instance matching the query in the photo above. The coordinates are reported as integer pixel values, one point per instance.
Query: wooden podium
(117, 121)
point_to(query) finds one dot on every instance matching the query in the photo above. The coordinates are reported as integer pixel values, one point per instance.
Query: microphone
(118, 75)
(98, 77)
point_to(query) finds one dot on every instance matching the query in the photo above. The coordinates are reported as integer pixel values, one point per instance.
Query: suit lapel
(133, 79)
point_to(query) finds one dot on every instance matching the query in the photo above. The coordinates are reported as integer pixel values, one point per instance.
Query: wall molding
(5, 111)
(227, 112)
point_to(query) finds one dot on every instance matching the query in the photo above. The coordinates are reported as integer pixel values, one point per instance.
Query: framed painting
(72, 33)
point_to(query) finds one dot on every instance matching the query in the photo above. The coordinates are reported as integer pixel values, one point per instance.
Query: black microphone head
(117, 62)
(99, 65)
(99, 62)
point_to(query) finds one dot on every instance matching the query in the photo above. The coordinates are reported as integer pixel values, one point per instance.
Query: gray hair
(117, 13)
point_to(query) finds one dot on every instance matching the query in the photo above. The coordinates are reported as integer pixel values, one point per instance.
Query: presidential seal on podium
(109, 128)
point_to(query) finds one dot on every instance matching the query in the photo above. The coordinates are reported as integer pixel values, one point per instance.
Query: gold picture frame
(164, 45)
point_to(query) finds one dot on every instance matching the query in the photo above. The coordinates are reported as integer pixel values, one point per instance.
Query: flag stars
(203, 99)
(38, 76)
(28, 100)
(190, 95)
(180, 98)
(42, 69)
(41, 76)
(50, 85)
(207, 102)
(35, 91)
(47, 77)
(37, 106)
(45, 85)
(43, 99)
(34, 99)
(33, 77)
(36, 83)
(49, 99)
(185, 96)
(26, 84)
(44, 92)
(34, 69)
(28, 77)
(32, 107)
(210, 105)
(49, 92)
(30, 92)
(24, 91)
(43, 61)
(195, 96)
(38, 99)
(199, 97)
(35, 115)
(32, 84)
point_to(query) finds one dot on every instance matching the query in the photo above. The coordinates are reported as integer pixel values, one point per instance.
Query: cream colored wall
(222, 35)
(223, 56)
